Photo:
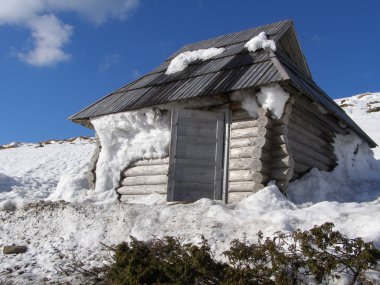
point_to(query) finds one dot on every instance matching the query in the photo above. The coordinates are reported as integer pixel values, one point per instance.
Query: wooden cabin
(217, 149)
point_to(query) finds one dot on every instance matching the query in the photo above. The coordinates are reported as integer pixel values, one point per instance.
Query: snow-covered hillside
(364, 109)
(58, 233)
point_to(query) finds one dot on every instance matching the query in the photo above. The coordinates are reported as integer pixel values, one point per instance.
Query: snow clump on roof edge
(260, 42)
(181, 61)
(274, 98)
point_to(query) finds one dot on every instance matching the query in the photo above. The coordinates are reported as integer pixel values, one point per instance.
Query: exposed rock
(14, 249)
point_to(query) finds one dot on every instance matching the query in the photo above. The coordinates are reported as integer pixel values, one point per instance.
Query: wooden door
(196, 155)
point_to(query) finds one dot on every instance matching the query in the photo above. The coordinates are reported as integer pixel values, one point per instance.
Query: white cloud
(49, 33)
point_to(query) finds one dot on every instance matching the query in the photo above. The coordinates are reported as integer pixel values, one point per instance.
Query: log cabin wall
(144, 177)
(310, 134)
(249, 164)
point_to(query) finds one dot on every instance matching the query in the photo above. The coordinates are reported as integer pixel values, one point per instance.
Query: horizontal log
(243, 124)
(262, 153)
(261, 142)
(281, 173)
(320, 145)
(305, 123)
(146, 170)
(240, 164)
(279, 139)
(279, 130)
(294, 130)
(261, 121)
(284, 162)
(145, 180)
(130, 198)
(312, 111)
(279, 151)
(235, 197)
(142, 189)
(240, 175)
(323, 155)
(310, 161)
(248, 133)
(243, 142)
(241, 152)
(240, 115)
(260, 166)
(155, 161)
(309, 152)
(244, 186)
(301, 168)
(260, 177)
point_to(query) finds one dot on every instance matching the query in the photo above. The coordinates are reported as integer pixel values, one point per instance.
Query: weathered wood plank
(145, 180)
(142, 189)
(146, 170)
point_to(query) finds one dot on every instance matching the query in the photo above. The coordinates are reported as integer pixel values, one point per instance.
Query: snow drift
(260, 42)
(126, 137)
(181, 61)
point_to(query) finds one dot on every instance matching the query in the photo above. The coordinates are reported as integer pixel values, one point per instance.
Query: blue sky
(55, 59)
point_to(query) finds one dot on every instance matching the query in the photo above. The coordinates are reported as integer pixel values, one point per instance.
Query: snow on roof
(260, 42)
(181, 61)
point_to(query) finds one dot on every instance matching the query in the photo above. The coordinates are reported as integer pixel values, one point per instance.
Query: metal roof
(234, 69)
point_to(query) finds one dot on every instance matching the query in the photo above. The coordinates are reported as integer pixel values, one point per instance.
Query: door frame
(225, 156)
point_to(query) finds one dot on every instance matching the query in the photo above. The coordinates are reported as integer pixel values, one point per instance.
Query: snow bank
(31, 172)
(361, 109)
(78, 229)
(181, 61)
(274, 98)
(260, 42)
(356, 177)
(126, 137)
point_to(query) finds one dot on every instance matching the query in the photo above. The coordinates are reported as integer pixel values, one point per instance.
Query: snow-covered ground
(57, 233)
